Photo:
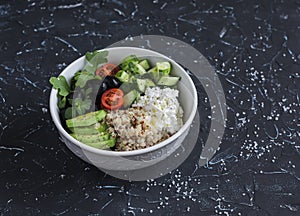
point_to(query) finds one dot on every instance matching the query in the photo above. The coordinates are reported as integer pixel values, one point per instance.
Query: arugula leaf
(83, 77)
(74, 80)
(81, 106)
(90, 68)
(70, 100)
(90, 55)
(68, 113)
(62, 101)
(60, 83)
(99, 58)
(77, 74)
(88, 91)
(96, 55)
(94, 59)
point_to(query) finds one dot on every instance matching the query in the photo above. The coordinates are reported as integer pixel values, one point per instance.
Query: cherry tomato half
(112, 99)
(108, 69)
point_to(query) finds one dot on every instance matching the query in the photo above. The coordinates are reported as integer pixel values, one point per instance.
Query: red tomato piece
(112, 99)
(108, 69)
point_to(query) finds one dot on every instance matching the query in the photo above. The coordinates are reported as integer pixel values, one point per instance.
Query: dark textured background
(255, 48)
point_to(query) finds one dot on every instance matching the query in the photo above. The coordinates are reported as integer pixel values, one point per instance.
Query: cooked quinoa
(153, 118)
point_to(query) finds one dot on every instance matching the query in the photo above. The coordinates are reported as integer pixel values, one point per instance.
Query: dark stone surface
(255, 48)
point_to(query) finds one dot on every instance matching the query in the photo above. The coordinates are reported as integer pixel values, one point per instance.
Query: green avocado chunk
(86, 119)
(103, 144)
(88, 130)
(91, 138)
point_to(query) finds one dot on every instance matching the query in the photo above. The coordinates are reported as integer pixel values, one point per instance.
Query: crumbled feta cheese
(164, 108)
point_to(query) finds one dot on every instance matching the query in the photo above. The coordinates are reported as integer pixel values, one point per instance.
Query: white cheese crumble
(163, 107)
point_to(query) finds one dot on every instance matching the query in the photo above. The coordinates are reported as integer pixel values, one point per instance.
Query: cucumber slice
(130, 97)
(141, 85)
(132, 79)
(138, 69)
(149, 83)
(154, 73)
(164, 68)
(131, 59)
(127, 87)
(168, 81)
(144, 83)
(122, 76)
(145, 64)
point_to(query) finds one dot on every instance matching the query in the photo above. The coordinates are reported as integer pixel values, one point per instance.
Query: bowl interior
(187, 92)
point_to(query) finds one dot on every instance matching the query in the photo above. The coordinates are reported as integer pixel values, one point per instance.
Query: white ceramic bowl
(130, 160)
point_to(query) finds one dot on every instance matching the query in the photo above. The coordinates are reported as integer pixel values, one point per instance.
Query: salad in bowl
(123, 101)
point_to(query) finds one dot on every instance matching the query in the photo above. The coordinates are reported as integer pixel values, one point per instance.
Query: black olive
(103, 87)
(112, 82)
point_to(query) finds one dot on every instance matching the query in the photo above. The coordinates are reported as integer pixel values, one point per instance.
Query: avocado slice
(103, 144)
(89, 130)
(91, 138)
(86, 119)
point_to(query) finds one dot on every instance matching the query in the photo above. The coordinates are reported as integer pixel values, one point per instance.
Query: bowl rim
(55, 118)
